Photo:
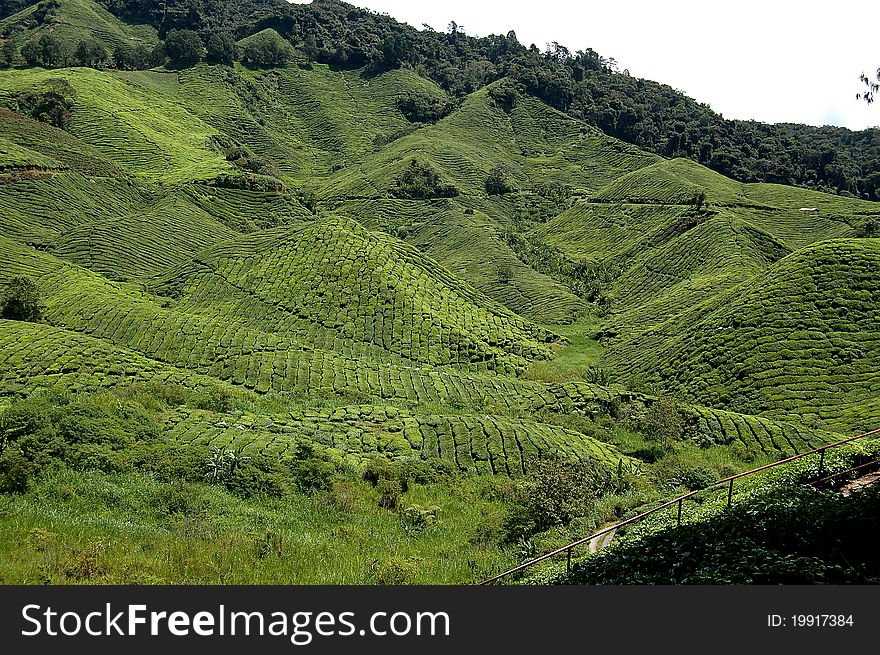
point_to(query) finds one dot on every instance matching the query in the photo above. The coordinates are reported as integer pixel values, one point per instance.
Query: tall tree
(222, 49)
(184, 48)
(90, 53)
(22, 301)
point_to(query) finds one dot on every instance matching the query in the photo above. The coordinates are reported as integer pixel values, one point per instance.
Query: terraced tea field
(230, 247)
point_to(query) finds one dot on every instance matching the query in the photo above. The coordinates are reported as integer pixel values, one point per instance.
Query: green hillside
(799, 339)
(357, 302)
(71, 21)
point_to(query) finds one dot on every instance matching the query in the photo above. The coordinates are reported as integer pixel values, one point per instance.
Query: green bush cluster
(790, 535)
(554, 493)
(498, 181)
(421, 182)
(52, 104)
(267, 49)
(22, 301)
(420, 107)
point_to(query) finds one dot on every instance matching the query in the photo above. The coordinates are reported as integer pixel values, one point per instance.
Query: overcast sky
(768, 60)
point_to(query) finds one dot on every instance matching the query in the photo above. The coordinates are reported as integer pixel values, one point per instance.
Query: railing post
(679, 511)
(568, 562)
(822, 461)
(730, 494)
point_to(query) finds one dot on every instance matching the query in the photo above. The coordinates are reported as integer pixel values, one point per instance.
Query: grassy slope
(77, 20)
(150, 137)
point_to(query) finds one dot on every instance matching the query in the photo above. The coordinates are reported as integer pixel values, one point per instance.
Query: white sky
(768, 60)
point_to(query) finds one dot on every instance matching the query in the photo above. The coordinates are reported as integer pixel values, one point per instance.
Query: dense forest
(584, 84)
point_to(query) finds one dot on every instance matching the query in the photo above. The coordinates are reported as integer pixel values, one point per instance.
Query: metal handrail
(677, 500)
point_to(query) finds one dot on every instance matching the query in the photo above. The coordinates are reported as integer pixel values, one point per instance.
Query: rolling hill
(291, 264)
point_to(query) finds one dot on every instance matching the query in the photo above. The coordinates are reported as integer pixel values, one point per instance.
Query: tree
(131, 59)
(7, 54)
(184, 48)
(222, 48)
(420, 182)
(310, 48)
(871, 86)
(90, 53)
(554, 493)
(46, 51)
(498, 182)
(420, 107)
(698, 200)
(22, 301)
(267, 49)
(505, 94)
(505, 272)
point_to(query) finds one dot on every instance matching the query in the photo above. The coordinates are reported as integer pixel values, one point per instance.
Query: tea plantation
(278, 307)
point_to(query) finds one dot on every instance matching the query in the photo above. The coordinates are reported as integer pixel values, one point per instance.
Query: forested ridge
(584, 84)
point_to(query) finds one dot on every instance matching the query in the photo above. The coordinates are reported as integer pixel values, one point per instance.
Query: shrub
(420, 182)
(555, 492)
(505, 94)
(311, 472)
(396, 571)
(16, 471)
(390, 491)
(504, 272)
(662, 424)
(180, 497)
(214, 399)
(258, 476)
(22, 301)
(869, 229)
(415, 519)
(380, 468)
(8, 53)
(53, 104)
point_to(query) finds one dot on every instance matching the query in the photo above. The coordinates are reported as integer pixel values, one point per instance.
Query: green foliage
(15, 470)
(498, 181)
(793, 535)
(869, 229)
(8, 53)
(420, 182)
(53, 104)
(184, 48)
(132, 58)
(505, 94)
(90, 53)
(22, 301)
(419, 107)
(221, 48)
(267, 49)
(663, 423)
(245, 159)
(46, 51)
(555, 493)
(312, 471)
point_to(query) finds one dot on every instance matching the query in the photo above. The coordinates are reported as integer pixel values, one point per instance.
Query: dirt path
(857, 485)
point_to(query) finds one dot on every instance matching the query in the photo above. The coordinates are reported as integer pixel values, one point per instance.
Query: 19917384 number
(810, 621)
